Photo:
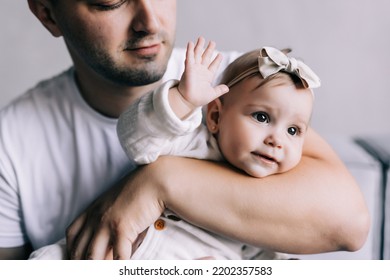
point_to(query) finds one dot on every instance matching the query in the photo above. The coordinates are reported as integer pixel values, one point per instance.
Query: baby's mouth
(265, 158)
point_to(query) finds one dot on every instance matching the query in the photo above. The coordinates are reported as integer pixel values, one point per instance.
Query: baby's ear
(213, 115)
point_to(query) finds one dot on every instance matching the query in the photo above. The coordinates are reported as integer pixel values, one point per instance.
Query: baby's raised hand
(200, 67)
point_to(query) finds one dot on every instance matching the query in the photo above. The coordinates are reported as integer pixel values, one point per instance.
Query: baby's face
(261, 130)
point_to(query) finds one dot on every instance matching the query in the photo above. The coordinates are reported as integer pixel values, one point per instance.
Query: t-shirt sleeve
(11, 229)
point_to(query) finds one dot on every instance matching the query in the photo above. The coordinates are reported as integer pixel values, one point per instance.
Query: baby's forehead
(279, 98)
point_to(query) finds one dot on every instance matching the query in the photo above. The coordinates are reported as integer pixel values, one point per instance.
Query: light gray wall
(345, 41)
(28, 53)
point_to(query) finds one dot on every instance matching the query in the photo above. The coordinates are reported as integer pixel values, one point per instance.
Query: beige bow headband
(271, 61)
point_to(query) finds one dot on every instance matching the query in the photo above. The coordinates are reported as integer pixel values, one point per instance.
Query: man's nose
(145, 17)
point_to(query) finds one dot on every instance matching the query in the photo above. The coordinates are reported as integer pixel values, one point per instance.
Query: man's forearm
(316, 207)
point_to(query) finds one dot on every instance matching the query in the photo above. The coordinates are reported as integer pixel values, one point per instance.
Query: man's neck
(107, 98)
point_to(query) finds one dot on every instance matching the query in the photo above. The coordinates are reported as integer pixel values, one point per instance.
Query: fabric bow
(272, 60)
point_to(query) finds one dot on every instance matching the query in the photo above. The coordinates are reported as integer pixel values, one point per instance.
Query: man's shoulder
(53, 87)
(45, 92)
(229, 57)
(175, 65)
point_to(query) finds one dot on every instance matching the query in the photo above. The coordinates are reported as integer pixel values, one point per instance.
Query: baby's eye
(292, 130)
(261, 117)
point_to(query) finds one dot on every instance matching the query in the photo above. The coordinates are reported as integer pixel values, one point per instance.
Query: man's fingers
(109, 254)
(122, 248)
(73, 231)
(80, 246)
(99, 246)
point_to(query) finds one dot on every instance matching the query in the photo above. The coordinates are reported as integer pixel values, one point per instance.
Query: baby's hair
(248, 61)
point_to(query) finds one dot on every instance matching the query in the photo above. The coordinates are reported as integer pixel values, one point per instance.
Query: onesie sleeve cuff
(164, 112)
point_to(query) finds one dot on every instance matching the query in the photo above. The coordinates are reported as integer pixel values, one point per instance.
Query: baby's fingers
(208, 53)
(190, 54)
(215, 63)
(198, 50)
(220, 90)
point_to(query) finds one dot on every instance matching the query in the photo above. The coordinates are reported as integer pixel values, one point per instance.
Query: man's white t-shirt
(56, 156)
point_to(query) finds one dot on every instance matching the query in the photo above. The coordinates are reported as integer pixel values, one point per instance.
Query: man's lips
(146, 50)
(265, 158)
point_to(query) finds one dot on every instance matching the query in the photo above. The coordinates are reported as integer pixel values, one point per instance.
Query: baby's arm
(195, 87)
(167, 121)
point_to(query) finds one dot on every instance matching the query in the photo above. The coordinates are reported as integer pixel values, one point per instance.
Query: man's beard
(149, 72)
(144, 71)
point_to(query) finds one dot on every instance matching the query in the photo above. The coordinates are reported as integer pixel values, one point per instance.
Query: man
(61, 153)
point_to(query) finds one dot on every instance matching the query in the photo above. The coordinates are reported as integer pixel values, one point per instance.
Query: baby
(256, 120)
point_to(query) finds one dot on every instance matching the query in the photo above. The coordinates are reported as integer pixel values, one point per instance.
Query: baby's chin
(261, 173)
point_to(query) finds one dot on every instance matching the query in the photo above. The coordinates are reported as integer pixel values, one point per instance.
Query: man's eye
(261, 117)
(292, 131)
(109, 5)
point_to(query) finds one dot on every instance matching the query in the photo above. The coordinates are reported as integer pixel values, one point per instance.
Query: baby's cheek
(292, 160)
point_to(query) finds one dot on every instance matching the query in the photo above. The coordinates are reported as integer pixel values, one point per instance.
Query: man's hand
(112, 224)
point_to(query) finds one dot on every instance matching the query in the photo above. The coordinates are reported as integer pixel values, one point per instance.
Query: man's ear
(213, 114)
(42, 9)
